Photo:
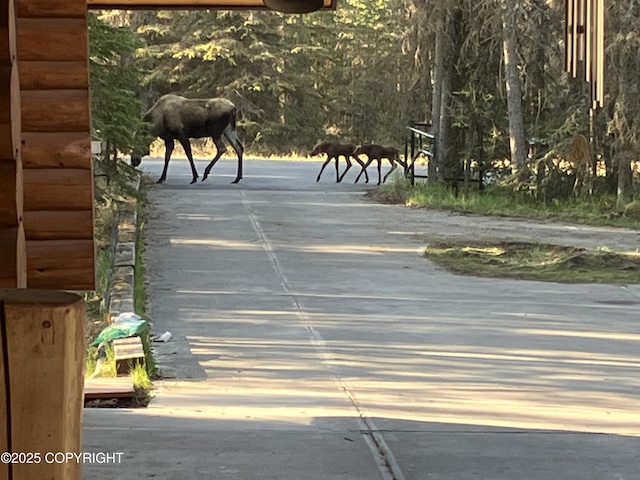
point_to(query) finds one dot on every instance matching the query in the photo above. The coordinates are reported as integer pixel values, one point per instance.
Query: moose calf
(378, 152)
(334, 150)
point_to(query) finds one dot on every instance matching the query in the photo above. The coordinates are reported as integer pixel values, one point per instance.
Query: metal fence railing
(420, 143)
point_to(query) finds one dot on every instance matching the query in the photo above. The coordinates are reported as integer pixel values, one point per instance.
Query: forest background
(490, 72)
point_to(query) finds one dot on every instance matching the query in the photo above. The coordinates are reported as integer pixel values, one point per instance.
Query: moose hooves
(236, 180)
(160, 180)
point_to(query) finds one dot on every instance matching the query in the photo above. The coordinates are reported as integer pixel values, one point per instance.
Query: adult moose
(378, 152)
(178, 118)
(334, 150)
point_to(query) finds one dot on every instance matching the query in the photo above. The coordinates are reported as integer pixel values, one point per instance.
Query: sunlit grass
(535, 261)
(494, 200)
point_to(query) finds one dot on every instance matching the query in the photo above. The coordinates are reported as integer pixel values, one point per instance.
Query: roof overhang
(189, 4)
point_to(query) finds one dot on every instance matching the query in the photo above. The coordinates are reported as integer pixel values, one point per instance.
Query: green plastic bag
(121, 329)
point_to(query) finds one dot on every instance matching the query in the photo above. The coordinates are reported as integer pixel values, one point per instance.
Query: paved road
(312, 341)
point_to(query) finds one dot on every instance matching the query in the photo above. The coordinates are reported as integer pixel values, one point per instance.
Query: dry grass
(535, 261)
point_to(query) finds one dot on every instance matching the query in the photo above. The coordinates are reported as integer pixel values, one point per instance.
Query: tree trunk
(517, 138)
(436, 103)
(444, 124)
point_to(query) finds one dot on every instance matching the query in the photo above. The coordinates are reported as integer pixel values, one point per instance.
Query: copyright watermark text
(61, 457)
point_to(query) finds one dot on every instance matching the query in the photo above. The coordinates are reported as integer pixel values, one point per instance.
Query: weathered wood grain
(51, 8)
(13, 258)
(43, 332)
(45, 75)
(58, 189)
(56, 149)
(58, 225)
(46, 39)
(11, 193)
(55, 110)
(74, 272)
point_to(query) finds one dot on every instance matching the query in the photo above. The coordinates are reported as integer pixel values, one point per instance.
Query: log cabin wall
(13, 266)
(52, 54)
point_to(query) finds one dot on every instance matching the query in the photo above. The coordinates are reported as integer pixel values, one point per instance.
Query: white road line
(381, 452)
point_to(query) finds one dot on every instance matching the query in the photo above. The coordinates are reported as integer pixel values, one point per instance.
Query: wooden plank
(59, 149)
(44, 338)
(127, 348)
(105, 388)
(219, 4)
(53, 75)
(68, 264)
(57, 189)
(51, 8)
(55, 110)
(13, 257)
(58, 225)
(46, 39)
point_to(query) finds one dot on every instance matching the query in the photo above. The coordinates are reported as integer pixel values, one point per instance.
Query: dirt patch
(535, 261)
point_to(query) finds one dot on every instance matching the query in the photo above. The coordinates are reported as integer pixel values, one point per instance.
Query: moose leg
(232, 135)
(393, 167)
(361, 163)
(220, 147)
(364, 170)
(326, 162)
(346, 169)
(168, 149)
(379, 170)
(186, 145)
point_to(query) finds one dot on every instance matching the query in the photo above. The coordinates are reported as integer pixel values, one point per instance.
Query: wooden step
(110, 387)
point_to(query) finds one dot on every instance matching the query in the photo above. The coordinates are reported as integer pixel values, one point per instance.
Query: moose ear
(294, 6)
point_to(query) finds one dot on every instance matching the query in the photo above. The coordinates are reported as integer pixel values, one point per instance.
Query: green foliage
(363, 72)
(504, 200)
(115, 105)
(296, 79)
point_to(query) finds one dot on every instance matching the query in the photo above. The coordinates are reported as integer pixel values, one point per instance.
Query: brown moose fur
(378, 152)
(334, 150)
(177, 118)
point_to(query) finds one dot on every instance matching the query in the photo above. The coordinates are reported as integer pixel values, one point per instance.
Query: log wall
(57, 177)
(13, 259)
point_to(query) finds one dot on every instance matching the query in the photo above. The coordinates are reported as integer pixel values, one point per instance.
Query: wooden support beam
(42, 368)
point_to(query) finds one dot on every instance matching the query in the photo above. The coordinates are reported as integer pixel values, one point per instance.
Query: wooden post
(13, 257)
(42, 365)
